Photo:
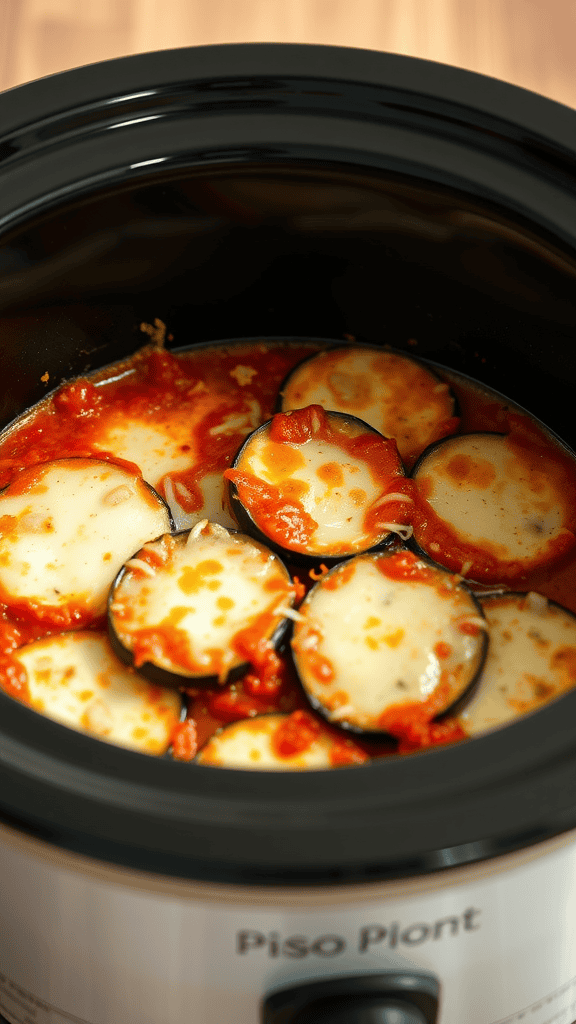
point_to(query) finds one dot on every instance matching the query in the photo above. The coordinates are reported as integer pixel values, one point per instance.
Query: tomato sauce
(295, 734)
(276, 508)
(405, 566)
(540, 461)
(185, 741)
(284, 520)
(481, 412)
(224, 393)
(412, 723)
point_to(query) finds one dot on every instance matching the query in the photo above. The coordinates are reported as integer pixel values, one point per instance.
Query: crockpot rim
(548, 130)
(96, 799)
(56, 796)
(544, 116)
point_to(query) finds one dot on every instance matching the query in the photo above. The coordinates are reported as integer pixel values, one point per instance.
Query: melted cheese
(160, 446)
(78, 681)
(164, 443)
(249, 744)
(210, 586)
(368, 642)
(392, 393)
(531, 660)
(338, 502)
(492, 499)
(336, 489)
(68, 526)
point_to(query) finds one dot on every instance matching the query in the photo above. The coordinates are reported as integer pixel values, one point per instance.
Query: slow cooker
(281, 191)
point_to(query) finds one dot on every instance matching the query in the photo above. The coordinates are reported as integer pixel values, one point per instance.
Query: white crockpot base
(84, 943)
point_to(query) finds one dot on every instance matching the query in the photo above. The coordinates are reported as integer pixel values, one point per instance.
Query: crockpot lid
(82, 131)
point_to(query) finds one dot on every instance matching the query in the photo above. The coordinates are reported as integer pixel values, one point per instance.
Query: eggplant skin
(531, 660)
(164, 676)
(365, 348)
(310, 559)
(299, 558)
(249, 743)
(491, 524)
(382, 637)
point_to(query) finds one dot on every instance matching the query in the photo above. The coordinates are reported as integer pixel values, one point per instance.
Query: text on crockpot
(370, 938)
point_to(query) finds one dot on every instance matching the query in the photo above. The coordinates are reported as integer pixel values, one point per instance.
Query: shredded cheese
(395, 496)
(243, 374)
(182, 520)
(537, 603)
(140, 566)
(156, 332)
(117, 496)
(197, 530)
(289, 613)
(404, 532)
(344, 712)
(473, 620)
(182, 490)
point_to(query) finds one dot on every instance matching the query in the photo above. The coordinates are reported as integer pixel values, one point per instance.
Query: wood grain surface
(528, 42)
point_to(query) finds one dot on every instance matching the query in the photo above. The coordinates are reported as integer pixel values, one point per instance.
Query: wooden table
(527, 42)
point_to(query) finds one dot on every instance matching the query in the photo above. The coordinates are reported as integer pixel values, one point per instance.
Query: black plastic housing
(358, 999)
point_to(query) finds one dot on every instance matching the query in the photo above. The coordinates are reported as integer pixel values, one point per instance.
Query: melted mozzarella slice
(531, 660)
(322, 494)
(77, 680)
(160, 446)
(165, 443)
(391, 392)
(201, 603)
(496, 512)
(252, 743)
(66, 529)
(383, 631)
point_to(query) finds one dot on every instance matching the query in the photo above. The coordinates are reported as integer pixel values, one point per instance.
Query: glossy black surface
(276, 191)
(385, 262)
(379, 998)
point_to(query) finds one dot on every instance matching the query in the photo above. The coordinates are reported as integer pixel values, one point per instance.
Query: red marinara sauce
(274, 503)
(216, 396)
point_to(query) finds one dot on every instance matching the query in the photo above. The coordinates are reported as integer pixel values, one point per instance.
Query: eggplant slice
(491, 510)
(278, 742)
(531, 660)
(66, 529)
(319, 486)
(395, 394)
(386, 631)
(200, 607)
(76, 679)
